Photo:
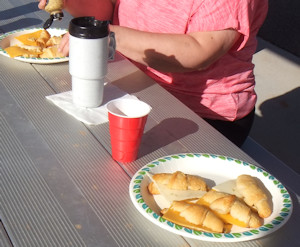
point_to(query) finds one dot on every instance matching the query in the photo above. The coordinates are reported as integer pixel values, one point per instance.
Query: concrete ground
(277, 123)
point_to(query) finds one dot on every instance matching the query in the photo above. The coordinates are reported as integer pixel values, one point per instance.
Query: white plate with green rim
(215, 169)
(7, 40)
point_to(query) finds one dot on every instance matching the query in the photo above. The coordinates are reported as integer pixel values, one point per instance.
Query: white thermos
(91, 46)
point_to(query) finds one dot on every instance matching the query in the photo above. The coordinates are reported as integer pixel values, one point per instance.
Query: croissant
(43, 38)
(15, 51)
(30, 39)
(254, 195)
(34, 45)
(51, 52)
(55, 40)
(193, 216)
(177, 181)
(231, 209)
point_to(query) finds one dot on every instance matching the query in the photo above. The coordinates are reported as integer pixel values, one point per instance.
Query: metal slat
(103, 184)
(26, 201)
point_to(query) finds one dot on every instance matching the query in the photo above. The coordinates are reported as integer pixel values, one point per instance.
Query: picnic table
(59, 183)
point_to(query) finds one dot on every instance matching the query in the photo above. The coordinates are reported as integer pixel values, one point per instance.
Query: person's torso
(232, 75)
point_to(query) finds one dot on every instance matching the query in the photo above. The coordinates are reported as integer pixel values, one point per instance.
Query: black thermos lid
(88, 28)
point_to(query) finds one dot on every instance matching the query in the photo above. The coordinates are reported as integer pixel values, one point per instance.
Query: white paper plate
(216, 169)
(7, 40)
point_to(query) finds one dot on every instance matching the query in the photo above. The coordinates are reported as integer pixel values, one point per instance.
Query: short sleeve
(216, 15)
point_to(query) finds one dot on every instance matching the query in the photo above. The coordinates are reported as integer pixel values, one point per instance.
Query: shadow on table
(20, 24)
(278, 130)
(128, 83)
(166, 132)
(19, 11)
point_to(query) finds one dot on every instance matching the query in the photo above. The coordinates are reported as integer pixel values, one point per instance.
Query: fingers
(42, 4)
(64, 45)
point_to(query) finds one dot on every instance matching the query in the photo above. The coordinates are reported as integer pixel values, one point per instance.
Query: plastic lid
(88, 28)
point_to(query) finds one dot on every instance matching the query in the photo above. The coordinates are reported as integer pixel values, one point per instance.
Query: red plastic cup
(127, 119)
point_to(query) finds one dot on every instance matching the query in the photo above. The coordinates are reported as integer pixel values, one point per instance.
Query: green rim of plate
(3, 36)
(277, 221)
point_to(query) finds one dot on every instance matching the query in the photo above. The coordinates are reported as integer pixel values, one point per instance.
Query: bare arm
(164, 52)
(174, 52)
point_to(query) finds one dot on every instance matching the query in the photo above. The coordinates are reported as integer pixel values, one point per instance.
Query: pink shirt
(225, 90)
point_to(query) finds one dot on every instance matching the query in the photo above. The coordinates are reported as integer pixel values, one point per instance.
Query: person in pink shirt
(199, 50)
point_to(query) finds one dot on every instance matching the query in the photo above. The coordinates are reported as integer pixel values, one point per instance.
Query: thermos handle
(111, 46)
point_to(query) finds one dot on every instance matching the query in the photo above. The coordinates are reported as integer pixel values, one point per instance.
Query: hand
(42, 4)
(64, 45)
(102, 10)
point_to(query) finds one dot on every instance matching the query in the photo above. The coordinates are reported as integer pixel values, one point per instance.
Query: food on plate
(38, 44)
(176, 181)
(242, 202)
(231, 209)
(54, 40)
(254, 194)
(193, 216)
(176, 186)
(16, 51)
(38, 38)
(50, 52)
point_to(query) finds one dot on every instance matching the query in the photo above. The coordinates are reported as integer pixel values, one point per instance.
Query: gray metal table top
(59, 184)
